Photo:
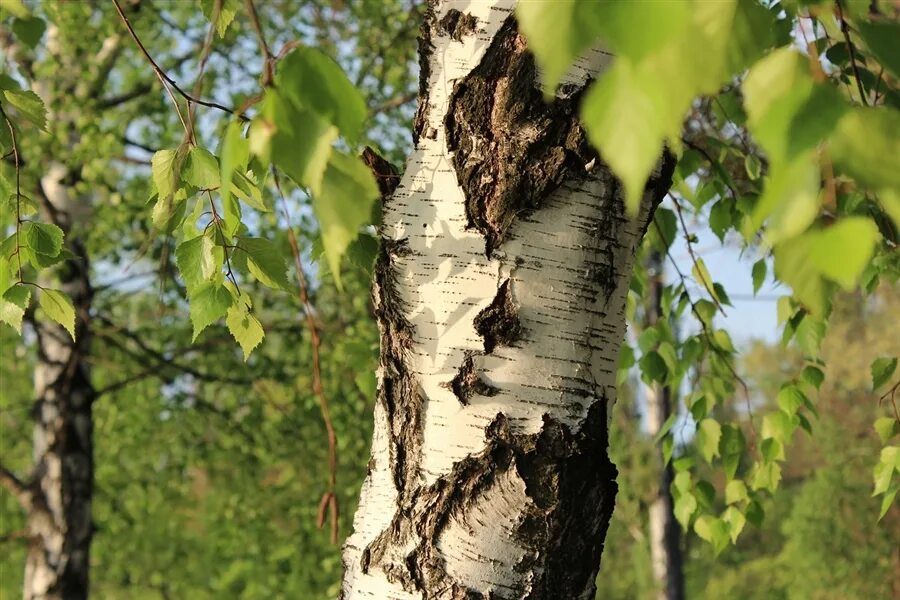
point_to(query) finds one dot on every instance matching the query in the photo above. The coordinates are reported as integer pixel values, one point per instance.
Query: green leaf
(314, 81)
(887, 427)
(766, 477)
(558, 32)
(210, 303)
(301, 143)
(234, 156)
(162, 166)
(248, 191)
(843, 250)
(201, 169)
(345, 204)
(779, 426)
(866, 147)
(228, 9)
(735, 491)
(881, 39)
(882, 369)
(790, 399)
(188, 258)
(244, 327)
(771, 450)
(753, 166)
(58, 307)
(758, 274)
(666, 427)
(722, 217)
(709, 433)
(736, 521)
(29, 105)
(42, 238)
(653, 367)
(685, 506)
(13, 304)
(813, 376)
(624, 117)
(755, 513)
(666, 226)
(29, 30)
(888, 462)
(713, 530)
(888, 500)
(265, 262)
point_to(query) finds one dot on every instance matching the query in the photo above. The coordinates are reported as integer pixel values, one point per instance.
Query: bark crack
(510, 148)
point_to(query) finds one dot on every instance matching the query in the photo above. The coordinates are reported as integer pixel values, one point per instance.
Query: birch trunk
(500, 290)
(665, 534)
(58, 510)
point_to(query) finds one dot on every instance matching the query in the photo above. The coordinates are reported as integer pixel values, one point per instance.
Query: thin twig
(15, 151)
(845, 29)
(690, 247)
(15, 486)
(330, 497)
(162, 74)
(722, 353)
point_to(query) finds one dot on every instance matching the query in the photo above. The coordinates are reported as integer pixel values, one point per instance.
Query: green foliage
(790, 150)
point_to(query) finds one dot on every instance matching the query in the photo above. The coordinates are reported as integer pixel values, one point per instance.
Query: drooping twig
(163, 77)
(845, 29)
(687, 238)
(724, 355)
(329, 499)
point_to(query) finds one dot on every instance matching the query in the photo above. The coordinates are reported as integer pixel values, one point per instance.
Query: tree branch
(16, 487)
(136, 92)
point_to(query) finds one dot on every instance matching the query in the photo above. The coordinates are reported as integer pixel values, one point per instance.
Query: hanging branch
(329, 498)
(163, 77)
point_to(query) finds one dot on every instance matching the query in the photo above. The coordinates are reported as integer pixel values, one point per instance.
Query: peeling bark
(500, 291)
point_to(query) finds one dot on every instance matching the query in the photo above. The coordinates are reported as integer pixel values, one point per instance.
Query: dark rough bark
(511, 148)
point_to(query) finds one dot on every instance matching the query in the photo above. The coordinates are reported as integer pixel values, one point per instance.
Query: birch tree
(500, 291)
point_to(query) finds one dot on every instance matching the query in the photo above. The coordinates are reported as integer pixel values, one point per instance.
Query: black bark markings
(426, 47)
(467, 382)
(498, 324)
(511, 149)
(572, 486)
(457, 24)
(400, 392)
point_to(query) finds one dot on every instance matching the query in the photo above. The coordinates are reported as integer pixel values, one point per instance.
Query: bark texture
(500, 290)
(665, 533)
(58, 510)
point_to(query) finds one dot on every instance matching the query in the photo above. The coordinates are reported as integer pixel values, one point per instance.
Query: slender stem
(687, 238)
(15, 152)
(845, 29)
(329, 499)
(162, 74)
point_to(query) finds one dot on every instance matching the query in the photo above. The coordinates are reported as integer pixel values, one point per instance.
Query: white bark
(564, 269)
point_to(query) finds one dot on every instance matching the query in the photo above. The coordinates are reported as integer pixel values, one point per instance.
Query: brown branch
(113, 101)
(330, 496)
(16, 487)
(163, 77)
(845, 29)
(393, 103)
